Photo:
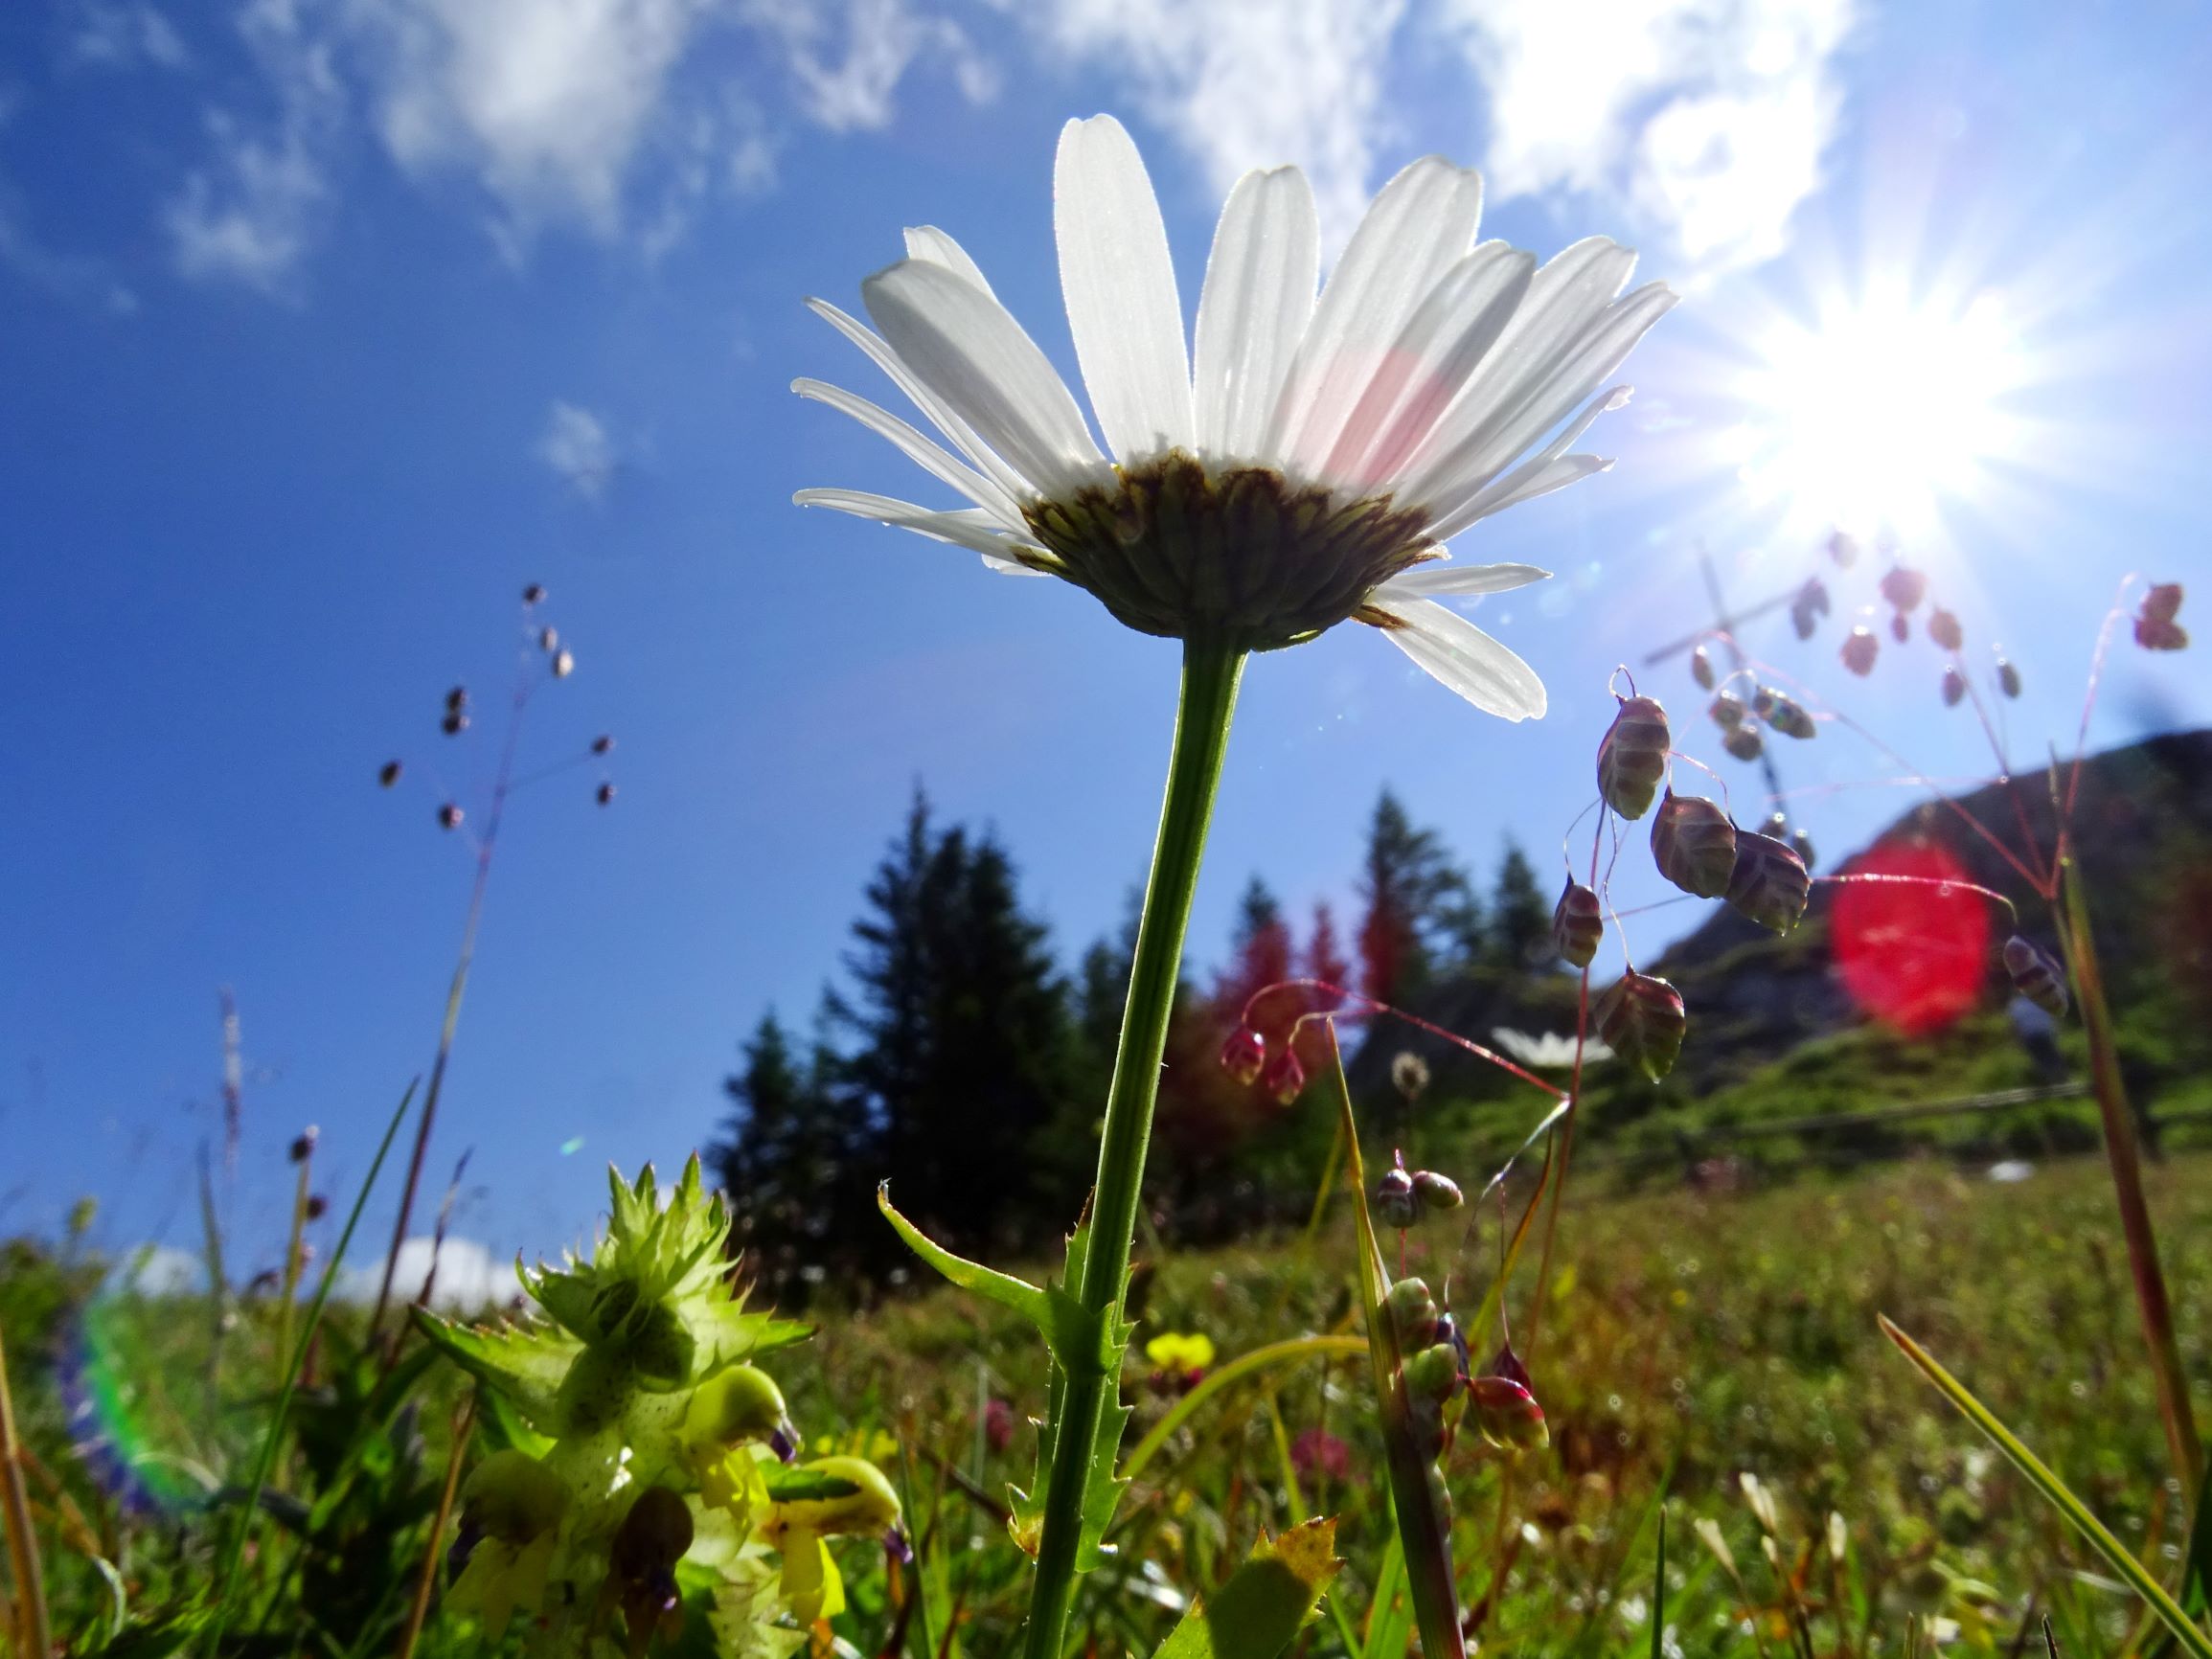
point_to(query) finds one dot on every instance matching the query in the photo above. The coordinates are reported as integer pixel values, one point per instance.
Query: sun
(1879, 411)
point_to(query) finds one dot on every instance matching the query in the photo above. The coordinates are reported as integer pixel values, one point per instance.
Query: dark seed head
(1701, 668)
(1437, 1192)
(1577, 923)
(1394, 1200)
(1693, 844)
(1769, 883)
(1953, 686)
(304, 1144)
(602, 744)
(456, 699)
(1861, 650)
(2036, 976)
(1801, 844)
(318, 1206)
(533, 594)
(1900, 629)
(2155, 634)
(1903, 588)
(1944, 630)
(1642, 1020)
(1633, 756)
(605, 794)
(2008, 677)
(1728, 711)
(2163, 603)
(448, 816)
(388, 774)
(1244, 1054)
(1744, 744)
(455, 722)
(1284, 1076)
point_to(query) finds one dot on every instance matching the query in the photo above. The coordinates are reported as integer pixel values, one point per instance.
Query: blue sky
(326, 325)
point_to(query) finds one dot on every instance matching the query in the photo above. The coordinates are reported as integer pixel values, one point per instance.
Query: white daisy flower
(1550, 1052)
(1304, 462)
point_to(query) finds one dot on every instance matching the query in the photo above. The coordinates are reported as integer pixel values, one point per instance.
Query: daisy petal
(970, 527)
(1451, 650)
(1253, 311)
(967, 349)
(1500, 439)
(1120, 286)
(1016, 486)
(1565, 299)
(916, 447)
(928, 242)
(1429, 581)
(1516, 485)
(1416, 230)
(1433, 360)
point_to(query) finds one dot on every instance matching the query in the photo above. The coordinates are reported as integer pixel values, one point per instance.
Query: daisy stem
(1211, 671)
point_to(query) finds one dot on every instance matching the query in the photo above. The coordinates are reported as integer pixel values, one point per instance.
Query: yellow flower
(799, 1527)
(1173, 1351)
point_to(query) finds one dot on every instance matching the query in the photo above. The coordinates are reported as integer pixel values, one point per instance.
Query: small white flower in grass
(1553, 1051)
(1303, 464)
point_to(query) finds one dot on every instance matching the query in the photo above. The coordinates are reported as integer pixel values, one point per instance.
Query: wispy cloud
(249, 213)
(1246, 83)
(124, 34)
(1706, 118)
(576, 446)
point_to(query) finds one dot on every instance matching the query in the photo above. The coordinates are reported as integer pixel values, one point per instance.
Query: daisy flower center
(1176, 549)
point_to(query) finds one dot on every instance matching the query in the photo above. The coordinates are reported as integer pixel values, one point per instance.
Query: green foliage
(1261, 1609)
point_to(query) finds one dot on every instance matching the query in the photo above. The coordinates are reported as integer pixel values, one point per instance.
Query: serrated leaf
(525, 1364)
(1094, 1343)
(1259, 1610)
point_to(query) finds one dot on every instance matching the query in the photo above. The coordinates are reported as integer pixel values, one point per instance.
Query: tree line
(956, 1056)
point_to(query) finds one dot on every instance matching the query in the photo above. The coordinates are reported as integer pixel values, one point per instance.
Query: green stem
(2120, 1151)
(1211, 671)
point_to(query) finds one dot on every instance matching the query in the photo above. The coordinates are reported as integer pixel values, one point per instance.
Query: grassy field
(1719, 1350)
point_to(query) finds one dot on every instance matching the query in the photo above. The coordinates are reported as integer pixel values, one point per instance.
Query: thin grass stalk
(22, 1542)
(2117, 1556)
(463, 1424)
(1212, 669)
(234, 1551)
(1282, 1352)
(503, 786)
(2122, 1153)
(291, 1280)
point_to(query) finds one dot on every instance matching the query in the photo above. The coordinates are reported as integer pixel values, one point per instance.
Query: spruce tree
(1410, 887)
(1520, 928)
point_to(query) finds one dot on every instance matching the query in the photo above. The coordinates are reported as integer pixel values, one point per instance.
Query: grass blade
(234, 1551)
(1660, 1594)
(1221, 1377)
(2116, 1553)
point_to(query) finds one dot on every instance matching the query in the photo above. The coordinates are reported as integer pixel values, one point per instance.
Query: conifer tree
(1410, 886)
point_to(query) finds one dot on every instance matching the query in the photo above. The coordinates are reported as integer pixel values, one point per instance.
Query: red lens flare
(1913, 956)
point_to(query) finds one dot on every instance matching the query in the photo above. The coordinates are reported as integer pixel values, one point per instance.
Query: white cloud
(854, 89)
(161, 1270)
(576, 446)
(547, 105)
(249, 214)
(1246, 83)
(1706, 117)
(469, 1280)
(124, 36)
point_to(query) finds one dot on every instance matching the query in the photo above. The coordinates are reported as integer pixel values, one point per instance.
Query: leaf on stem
(1261, 1609)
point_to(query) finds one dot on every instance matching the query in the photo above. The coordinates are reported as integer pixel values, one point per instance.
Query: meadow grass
(1688, 1341)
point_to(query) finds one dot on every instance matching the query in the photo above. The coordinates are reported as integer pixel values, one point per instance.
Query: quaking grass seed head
(1694, 845)
(1859, 650)
(1244, 1054)
(1744, 744)
(1435, 1191)
(1577, 923)
(1944, 630)
(1702, 669)
(1953, 686)
(2036, 976)
(1394, 1200)
(1285, 1075)
(1633, 756)
(1642, 1019)
(1769, 883)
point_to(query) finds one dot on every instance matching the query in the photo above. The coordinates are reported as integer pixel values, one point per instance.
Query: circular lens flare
(1912, 955)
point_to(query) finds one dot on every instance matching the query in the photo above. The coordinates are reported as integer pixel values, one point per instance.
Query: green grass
(1688, 1342)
